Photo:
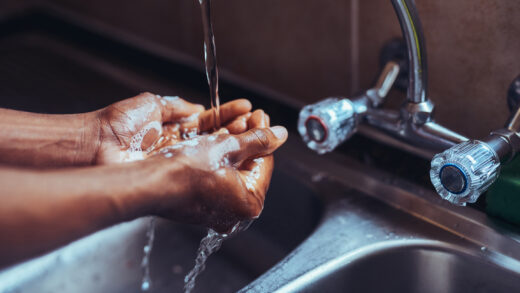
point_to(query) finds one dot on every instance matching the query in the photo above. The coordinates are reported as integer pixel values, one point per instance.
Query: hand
(136, 124)
(225, 177)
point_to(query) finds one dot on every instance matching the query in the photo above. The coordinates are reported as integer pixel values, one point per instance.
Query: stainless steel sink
(379, 234)
(361, 247)
(413, 266)
(109, 261)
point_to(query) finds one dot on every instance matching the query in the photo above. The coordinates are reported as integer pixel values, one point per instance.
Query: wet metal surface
(109, 261)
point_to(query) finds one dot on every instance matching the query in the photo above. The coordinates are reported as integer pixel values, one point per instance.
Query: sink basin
(363, 245)
(109, 261)
(403, 267)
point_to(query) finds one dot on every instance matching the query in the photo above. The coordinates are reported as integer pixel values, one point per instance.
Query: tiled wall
(473, 55)
(303, 48)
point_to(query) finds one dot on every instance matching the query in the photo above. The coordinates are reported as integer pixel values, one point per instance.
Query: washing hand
(224, 177)
(149, 117)
(214, 179)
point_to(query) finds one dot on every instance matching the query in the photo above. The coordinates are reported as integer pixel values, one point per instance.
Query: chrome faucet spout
(412, 127)
(413, 35)
(461, 169)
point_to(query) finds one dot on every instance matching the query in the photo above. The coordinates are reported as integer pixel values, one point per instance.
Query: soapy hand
(135, 125)
(225, 176)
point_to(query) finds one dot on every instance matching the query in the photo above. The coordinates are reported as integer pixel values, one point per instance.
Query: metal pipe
(413, 34)
(387, 79)
(513, 123)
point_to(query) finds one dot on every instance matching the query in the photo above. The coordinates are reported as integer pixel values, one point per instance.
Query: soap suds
(254, 175)
(191, 118)
(135, 151)
(139, 115)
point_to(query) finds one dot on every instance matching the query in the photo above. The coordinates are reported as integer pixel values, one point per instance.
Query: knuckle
(255, 205)
(147, 95)
(262, 138)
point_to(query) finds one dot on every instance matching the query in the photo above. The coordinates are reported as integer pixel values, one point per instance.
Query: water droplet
(317, 177)
(483, 248)
(145, 286)
(147, 249)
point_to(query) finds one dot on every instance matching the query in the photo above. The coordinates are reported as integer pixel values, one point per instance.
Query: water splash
(209, 245)
(146, 283)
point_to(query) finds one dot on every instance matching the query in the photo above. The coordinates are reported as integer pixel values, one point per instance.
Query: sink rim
(390, 246)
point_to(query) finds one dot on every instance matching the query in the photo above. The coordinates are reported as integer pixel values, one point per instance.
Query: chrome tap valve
(328, 123)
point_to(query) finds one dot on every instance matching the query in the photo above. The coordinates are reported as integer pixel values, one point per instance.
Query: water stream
(213, 240)
(209, 245)
(210, 59)
(146, 283)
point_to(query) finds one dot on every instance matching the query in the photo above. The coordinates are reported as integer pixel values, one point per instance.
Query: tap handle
(384, 83)
(463, 172)
(513, 94)
(328, 123)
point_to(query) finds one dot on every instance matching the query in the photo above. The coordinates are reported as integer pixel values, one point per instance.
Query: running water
(213, 240)
(210, 58)
(209, 245)
(146, 283)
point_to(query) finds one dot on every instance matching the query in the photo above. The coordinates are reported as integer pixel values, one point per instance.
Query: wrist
(150, 187)
(90, 140)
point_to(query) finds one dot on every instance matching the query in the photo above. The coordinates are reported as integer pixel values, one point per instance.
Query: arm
(31, 139)
(103, 136)
(42, 210)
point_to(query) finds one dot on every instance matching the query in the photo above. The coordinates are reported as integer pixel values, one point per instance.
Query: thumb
(259, 142)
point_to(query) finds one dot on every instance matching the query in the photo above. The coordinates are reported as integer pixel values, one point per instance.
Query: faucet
(461, 169)
(463, 172)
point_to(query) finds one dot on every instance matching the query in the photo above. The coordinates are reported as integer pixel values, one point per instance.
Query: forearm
(42, 210)
(30, 139)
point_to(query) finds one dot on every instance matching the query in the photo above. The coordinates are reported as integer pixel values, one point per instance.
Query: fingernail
(280, 132)
(248, 104)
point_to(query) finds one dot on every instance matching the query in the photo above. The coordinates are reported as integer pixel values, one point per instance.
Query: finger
(258, 142)
(175, 108)
(257, 120)
(256, 174)
(171, 135)
(267, 120)
(222, 131)
(238, 125)
(228, 112)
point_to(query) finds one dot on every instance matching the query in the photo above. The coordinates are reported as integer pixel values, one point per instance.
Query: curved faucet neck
(412, 31)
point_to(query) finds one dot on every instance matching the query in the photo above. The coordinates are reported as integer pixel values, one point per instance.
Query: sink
(109, 261)
(364, 246)
(330, 223)
(421, 266)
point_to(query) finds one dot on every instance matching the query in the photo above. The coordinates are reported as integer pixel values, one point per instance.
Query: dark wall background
(308, 49)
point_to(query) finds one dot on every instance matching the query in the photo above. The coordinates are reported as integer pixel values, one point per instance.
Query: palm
(134, 125)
